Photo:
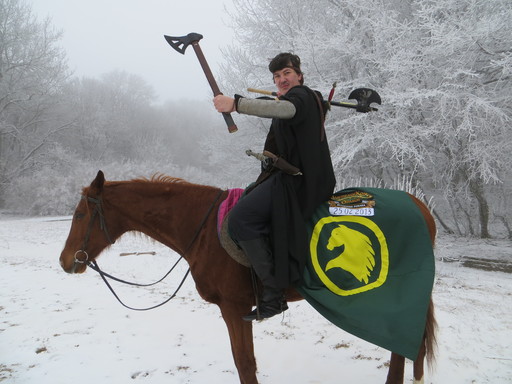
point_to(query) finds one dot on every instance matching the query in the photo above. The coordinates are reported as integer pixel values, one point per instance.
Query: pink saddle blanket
(224, 207)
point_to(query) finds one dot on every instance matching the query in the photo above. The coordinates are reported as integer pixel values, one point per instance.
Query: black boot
(272, 303)
(272, 300)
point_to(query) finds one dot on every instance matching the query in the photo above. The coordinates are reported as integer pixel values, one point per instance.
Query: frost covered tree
(114, 119)
(111, 115)
(443, 69)
(32, 70)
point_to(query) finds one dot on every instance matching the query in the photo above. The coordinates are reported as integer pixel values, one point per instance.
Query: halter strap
(98, 211)
(94, 265)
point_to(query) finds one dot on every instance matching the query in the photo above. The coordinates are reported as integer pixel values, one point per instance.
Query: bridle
(98, 212)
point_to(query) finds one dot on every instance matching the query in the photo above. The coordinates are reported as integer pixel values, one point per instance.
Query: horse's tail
(430, 338)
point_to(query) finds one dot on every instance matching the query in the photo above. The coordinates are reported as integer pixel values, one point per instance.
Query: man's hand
(224, 104)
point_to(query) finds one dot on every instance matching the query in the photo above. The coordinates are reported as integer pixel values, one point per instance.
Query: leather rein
(98, 212)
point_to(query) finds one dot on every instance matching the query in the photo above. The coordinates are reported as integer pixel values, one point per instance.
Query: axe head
(181, 43)
(364, 97)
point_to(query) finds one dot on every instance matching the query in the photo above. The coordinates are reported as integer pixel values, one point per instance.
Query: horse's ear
(97, 184)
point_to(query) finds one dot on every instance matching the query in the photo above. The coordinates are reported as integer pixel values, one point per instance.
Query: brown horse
(182, 216)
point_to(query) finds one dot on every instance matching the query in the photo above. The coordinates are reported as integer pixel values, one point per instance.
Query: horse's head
(338, 236)
(88, 235)
(358, 255)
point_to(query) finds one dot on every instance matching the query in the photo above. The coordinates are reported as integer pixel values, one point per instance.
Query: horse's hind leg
(396, 369)
(242, 347)
(397, 366)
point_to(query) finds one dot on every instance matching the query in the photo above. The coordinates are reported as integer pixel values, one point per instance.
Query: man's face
(285, 79)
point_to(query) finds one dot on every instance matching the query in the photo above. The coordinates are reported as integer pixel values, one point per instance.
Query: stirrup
(265, 312)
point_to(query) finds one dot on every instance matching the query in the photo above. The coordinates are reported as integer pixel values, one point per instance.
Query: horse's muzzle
(70, 264)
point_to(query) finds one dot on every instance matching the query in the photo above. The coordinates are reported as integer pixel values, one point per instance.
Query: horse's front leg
(242, 347)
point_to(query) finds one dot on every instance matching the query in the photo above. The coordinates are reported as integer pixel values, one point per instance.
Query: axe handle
(262, 91)
(213, 84)
(350, 105)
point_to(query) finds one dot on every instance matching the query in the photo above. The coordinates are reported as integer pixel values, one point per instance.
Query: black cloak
(302, 142)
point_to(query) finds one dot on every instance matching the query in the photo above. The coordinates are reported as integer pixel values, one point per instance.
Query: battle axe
(364, 97)
(180, 44)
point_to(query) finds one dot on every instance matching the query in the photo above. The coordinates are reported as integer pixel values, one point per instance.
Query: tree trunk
(477, 189)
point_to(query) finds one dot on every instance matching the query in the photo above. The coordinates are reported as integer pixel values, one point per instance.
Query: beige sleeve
(281, 109)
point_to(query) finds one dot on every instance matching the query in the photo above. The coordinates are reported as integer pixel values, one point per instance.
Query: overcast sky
(104, 35)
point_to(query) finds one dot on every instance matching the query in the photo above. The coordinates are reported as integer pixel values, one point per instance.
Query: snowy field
(58, 328)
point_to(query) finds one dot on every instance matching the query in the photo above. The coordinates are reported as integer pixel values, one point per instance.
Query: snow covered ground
(58, 328)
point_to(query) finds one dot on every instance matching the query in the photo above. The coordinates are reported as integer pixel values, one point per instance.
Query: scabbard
(282, 164)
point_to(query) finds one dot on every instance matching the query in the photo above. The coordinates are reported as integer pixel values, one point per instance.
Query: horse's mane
(159, 178)
(156, 178)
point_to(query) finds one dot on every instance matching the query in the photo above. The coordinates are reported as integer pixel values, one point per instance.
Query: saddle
(222, 227)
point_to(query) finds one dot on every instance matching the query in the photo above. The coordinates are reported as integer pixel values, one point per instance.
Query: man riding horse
(268, 223)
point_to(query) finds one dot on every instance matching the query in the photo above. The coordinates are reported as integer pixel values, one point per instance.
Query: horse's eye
(79, 216)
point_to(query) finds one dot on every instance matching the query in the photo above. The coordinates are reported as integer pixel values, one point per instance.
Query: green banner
(371, 269)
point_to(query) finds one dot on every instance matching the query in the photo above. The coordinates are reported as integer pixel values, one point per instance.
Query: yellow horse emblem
(358, 255)
(365, 259)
